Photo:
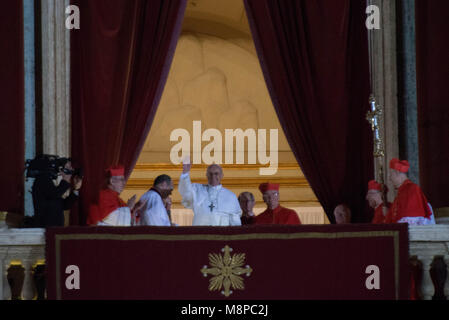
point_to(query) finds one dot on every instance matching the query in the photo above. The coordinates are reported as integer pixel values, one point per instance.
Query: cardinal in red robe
(410, 205)
(275, 214)
(111, 210)
(375, 201)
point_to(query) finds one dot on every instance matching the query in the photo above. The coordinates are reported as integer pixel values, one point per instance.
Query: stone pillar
(446, 285)
(408, 102)
(55, 78)
(6, 295)
(385, 83)
(28, 290)
(30, 97)
(3, 280)
(427, 288)
(39, 278)
(15, 277)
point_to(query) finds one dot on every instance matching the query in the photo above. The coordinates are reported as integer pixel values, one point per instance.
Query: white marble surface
(430, 233)
(22, 237)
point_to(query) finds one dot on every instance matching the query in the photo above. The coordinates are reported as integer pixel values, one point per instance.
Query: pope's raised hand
(186, 167)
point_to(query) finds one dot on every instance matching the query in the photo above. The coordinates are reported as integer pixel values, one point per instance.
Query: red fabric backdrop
(120, 59)
(12, 135)
(314, 55)
(432, 65)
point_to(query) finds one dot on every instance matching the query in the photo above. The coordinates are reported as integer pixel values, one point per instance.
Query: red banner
(265, 262)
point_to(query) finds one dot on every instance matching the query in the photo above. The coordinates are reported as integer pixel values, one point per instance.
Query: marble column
(55, 78)
(3, 280)
(385, 84)
(446, 284)
(30, 97)
(28, 290)
(427, 288)
(408, 103)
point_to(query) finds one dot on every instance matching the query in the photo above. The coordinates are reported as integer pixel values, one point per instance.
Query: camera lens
(67, 171)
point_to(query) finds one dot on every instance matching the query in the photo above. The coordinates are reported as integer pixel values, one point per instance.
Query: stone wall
(218, 82)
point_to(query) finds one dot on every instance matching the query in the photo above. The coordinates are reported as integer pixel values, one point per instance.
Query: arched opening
(216, 81)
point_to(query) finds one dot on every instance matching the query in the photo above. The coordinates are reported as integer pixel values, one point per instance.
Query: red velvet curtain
(12, 126)
(314, 56)
(120, 58)
(432, 66)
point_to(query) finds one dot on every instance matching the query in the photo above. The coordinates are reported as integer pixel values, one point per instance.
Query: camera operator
(52, 196)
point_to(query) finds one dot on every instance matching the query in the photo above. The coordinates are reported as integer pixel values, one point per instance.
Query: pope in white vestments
(212, 204)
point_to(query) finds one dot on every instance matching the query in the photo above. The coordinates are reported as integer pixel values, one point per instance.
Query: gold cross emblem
(226, 271)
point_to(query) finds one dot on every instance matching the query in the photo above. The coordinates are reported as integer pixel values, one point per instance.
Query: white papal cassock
(212, 205)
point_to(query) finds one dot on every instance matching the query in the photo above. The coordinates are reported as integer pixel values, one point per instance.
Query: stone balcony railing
(22, 254)
(429, 246)
(22, 251)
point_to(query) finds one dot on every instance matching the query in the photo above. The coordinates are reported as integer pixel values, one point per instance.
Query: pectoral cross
(211, 207)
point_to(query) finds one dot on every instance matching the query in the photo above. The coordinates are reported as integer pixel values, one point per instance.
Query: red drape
(432, 72)
(12, 136)
(120, 59)
(314, 57)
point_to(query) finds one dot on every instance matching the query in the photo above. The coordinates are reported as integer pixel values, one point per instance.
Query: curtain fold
(120, 58)
(314, 56)
(432, 75)
(12, 125)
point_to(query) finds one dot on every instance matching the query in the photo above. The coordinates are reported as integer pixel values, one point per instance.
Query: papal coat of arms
(226, 271)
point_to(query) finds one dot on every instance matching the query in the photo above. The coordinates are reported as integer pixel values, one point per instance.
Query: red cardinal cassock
(378, 212)
(410, 201)
(111, 210)
(279, 215)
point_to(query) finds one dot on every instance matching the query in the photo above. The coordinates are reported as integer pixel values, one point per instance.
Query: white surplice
(212, 205)
(154, 212)
(419, 221)
(120, 217)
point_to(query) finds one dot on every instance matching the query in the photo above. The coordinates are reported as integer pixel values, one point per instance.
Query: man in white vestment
(212, 204)
(154, 212)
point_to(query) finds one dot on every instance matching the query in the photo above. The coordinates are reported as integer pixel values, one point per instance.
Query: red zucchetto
(374, 185)
(401, 166)
(116, 171)
(264, 187)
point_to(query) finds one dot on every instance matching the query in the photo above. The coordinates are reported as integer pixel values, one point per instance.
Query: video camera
(49, 164)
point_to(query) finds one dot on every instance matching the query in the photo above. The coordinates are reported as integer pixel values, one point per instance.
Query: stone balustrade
(20, 249)
(23, 250)
(430, 246)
